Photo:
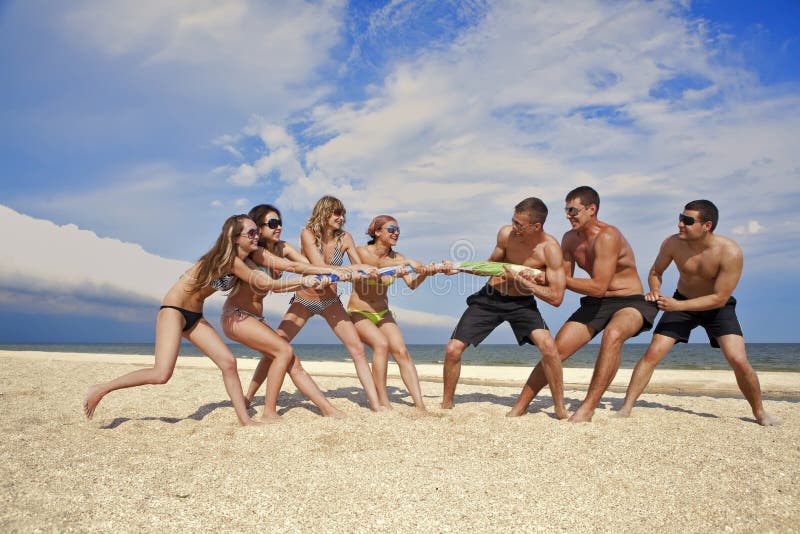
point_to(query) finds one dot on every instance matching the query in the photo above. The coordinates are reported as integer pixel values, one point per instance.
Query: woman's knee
(161, 376)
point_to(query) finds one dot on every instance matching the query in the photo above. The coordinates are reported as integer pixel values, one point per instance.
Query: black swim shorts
(716, 322)
(596, 313)
(488, 308)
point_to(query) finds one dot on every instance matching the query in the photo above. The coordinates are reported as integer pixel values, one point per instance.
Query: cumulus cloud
(534, 99)
(250, 50)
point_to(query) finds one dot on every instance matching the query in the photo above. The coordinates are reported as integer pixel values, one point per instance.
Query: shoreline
(774, 384)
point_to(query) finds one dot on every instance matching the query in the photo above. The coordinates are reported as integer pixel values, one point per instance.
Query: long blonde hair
(218, 261)
(323, 209)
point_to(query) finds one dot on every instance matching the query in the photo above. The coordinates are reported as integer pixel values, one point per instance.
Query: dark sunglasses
(272, 223)
(393, 228)
(339, 212)
(573, 211)
(252, 233)
(686, 220)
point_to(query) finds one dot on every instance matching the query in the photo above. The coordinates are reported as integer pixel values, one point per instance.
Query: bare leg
(625, 323)
(205, 338)
(734, 350)
(551, 363)
(452, 370)
(169, 326)
(310, 389)
(408, 371)
(343, 328)
(373, 337)
(259, 375)
(257, 335)
(659, 346)
(569, 339)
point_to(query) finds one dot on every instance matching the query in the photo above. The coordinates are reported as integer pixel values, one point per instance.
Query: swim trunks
(488, 308)
(375, 317)
(716, 322)
(596, 313)
(191, 318)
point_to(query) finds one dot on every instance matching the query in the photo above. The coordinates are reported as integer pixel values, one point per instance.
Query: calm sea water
(763, 356)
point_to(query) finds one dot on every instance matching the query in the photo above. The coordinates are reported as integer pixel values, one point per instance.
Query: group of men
(614, 301)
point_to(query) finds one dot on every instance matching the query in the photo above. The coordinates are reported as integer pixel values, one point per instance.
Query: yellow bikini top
(371, 282)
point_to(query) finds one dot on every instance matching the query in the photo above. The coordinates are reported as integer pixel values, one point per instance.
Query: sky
(130, 130)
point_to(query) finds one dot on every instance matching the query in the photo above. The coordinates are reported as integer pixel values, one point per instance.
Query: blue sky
(129, 130)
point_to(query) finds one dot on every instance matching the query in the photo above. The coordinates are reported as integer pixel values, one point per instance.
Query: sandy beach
(172, 457)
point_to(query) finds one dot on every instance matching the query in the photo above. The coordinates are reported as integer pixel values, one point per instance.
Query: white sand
(172, 457)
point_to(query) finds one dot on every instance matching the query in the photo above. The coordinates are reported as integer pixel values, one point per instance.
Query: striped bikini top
(224, 282)
(338, 258)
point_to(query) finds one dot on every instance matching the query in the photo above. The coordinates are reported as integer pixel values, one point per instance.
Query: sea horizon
(780, 357)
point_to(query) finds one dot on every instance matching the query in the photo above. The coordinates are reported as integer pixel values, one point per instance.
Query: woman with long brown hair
(243, 313)
(223, 268)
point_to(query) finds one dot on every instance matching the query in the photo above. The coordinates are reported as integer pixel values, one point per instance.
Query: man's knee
(453, 351)
(549, 349)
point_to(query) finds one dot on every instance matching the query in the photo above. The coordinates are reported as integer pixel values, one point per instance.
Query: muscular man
(614, 300)
(504, 298)
(710, 267)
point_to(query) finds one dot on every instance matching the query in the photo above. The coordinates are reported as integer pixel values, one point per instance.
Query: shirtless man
(614, 300)
(511, 298)
(709, 267)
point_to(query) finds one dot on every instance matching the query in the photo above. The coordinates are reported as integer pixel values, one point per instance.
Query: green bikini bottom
(375, 317)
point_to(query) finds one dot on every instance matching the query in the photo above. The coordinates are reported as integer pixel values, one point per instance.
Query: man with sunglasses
(511, 298)
(710, 267)
(613, 303)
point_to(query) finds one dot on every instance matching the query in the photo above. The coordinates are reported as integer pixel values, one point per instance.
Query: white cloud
(534, 99)
(251, 51)
(752, 228)
(65, 261)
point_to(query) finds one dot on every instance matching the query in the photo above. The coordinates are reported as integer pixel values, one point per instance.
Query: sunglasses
(686, 220)
(573, 211)
(252, 233)
(393, 228)
(272, 224)
(339, 212)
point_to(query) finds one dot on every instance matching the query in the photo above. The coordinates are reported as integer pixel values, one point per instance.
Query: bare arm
(607, 246)
(263, 283)
(660, 265)
(266, 258)
(556, 281)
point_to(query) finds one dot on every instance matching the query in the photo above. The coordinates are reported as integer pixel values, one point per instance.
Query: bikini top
(338, 258)
(371, 282)
(224, 282)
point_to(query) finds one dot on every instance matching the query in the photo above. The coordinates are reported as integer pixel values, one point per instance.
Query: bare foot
(270, 417)
(251, 422)
(623, 412)
(382, 408)
(333, 413)
(582, 416)
(561, 413)
(91, 400)
(516, 412)
(766, 419)
(447, 405)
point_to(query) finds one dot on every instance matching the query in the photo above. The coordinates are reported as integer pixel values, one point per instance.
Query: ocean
(763, 356)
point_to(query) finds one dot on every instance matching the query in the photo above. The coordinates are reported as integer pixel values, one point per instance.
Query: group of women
(247, 261)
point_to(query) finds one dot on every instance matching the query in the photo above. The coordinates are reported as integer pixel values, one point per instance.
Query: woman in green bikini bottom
(369, 308)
